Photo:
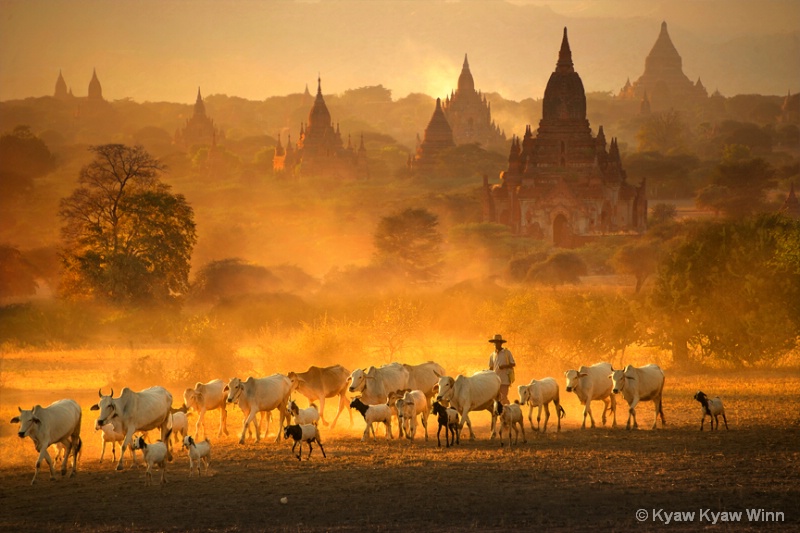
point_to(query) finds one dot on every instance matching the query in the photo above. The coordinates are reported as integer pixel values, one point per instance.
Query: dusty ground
(576, 480)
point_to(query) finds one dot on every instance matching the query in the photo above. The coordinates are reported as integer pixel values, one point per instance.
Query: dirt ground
(575, 480)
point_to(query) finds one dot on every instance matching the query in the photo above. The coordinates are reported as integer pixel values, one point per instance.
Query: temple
(438, 138)
(469, 114)
(791, 206)
(565, 185)
(663, 83)
(319, 150)
(199, 130)
(95, 90)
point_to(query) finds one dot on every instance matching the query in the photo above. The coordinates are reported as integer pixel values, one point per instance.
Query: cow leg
(223, 421)
(125, 443)
(546, 416)
(424, 417)
(661, 411)
(282, 417)
(201, 422)
(724, 419)
(632, 413)
(465, 420)
(522, 427)
(44, 455)
(613, 411)
(388, 425)
(587, 410)
(103, 451)
(322, 411)
(251, 417)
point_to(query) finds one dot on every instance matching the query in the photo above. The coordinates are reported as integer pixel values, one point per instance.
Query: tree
(739, 184)
(410, 239)
(17, 275)
(663, 132)
(125, 236)
(23, 157)
(730, 290)
(559, 269)
(639, 259)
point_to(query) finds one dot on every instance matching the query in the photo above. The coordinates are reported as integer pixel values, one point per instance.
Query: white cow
(318, 383)
(136, 411)
(260, 395)
(644, 383)
(59, 422)
(539, 393)
(424, 377)
(593, 383)
(208, 397)
(375, 384)
(474, 393)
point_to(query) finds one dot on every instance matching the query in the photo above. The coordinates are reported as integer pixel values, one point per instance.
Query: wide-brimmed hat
(498, 339)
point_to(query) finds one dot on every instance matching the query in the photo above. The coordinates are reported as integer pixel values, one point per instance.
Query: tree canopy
(125, 236)
(411, 240)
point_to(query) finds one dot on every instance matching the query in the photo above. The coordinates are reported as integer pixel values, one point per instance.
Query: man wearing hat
(502, 363)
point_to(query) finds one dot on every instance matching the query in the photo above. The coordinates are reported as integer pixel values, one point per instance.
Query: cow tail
(561, 412)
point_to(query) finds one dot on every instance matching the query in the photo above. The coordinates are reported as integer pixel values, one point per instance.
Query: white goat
(713, 408)
(198, 452)
(154, 454)
(180, 424)
(113, 433)
(412, 403)
(303, 433)
(510, 417)
(309, 415)
(374, 413)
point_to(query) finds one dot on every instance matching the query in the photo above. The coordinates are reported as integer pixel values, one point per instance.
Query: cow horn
(100, 392)
(112, 392)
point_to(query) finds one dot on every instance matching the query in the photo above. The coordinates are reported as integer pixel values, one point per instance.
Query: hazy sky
(162, 50)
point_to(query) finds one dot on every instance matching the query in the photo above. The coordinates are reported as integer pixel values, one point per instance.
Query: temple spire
(565, 56)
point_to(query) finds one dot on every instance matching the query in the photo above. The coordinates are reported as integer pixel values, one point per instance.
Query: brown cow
(318, 383)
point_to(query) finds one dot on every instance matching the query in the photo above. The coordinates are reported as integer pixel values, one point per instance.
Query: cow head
(190, 398)
(446, 388)
(107, 407)
(618, 381)
(358, 380)
(234, 388)
(524, 394)
(28, 421)
(574, 378)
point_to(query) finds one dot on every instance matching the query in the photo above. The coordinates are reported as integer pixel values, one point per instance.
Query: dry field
(575, 480)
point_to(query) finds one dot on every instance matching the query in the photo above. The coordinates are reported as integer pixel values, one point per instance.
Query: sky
(162, 50)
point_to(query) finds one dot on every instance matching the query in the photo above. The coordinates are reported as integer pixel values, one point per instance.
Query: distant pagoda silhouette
(469, 114)
(663, 83)
(320, 150)
(565, 185)
(199, 129)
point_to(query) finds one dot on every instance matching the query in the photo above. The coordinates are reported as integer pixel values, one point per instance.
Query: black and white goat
(303, 433)
(510, 417)
(448, 419)
(198, 452)
(713, 408)
(154, 454)
(372, 414)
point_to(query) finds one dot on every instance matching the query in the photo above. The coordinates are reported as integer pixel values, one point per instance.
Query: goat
(309, 415)
(713, 408)
(374, 413)
(198, 452)
(154, 454)
(448, 419)
(510, 417)
(303, 433)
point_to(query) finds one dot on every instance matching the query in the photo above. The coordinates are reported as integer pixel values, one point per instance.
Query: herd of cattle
(394, 391)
